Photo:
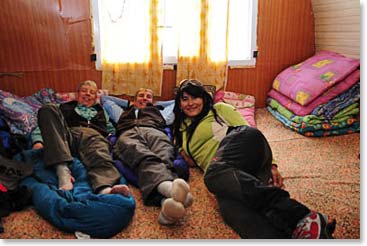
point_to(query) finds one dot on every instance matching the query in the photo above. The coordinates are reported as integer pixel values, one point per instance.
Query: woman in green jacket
(239, 170)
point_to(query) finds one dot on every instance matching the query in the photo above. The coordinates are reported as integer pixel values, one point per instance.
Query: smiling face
(143, 97)
(87, 95)
(191, 106)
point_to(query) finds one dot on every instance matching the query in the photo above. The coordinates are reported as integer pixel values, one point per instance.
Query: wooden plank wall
(337, 26)
(50, 42)
(285, 36)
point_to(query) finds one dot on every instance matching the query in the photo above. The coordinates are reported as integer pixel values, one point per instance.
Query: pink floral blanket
(325, 97)
(307, 80)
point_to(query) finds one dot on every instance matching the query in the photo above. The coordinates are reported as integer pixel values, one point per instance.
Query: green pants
(62, 143)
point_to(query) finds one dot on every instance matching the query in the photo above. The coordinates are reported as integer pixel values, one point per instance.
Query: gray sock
(64, 175)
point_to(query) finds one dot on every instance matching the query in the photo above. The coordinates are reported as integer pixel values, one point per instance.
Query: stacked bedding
(319, 96)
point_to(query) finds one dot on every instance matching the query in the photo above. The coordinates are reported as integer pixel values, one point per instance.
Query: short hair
(87, 82)
(143, 89)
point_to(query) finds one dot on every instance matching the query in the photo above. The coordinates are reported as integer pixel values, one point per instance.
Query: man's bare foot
(121, 189)
(117, 189)
(66, 183)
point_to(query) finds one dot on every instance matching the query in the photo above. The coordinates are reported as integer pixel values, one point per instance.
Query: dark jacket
(149, 116)
(73, 119)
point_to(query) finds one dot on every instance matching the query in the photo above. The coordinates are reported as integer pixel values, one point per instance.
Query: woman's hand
(37, 145)
(188, 159)
(277, 179)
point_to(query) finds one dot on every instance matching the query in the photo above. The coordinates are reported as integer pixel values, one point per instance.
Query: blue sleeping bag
(100, 216)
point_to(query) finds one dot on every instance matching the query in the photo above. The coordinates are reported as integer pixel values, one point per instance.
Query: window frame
(96, 34)
(252, 61)
(170, 61)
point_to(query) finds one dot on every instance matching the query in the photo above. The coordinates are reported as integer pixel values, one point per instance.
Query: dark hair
(195, 89)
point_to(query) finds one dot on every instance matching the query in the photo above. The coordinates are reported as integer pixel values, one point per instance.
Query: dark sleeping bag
(100, 216)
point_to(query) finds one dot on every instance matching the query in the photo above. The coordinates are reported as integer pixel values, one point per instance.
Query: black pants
(61, 143)
(239, 175)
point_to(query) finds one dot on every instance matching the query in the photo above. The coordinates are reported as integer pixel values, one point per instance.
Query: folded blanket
(344, 114)
(331, 93)
(305, 81)
(350, 125)
(330, 109)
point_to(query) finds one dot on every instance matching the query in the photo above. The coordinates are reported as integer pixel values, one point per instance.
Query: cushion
(43, 96)
(115, 107)
(124, 103)
(113, 110)
(20, 113)
(167, 112)
(245, 104)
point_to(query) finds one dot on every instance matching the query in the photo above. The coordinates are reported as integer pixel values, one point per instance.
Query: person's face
(143, 98)
(87, 95)
(191, 106)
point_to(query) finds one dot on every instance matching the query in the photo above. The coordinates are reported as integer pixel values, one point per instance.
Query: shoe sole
(329, 227)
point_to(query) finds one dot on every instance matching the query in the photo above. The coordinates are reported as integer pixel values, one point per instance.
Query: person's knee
(97, 139)
(208, 181)
(210, 176)
(215, 178)
(47, 109)
(252, 133)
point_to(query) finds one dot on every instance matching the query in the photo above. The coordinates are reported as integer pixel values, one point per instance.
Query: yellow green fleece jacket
(209, 133)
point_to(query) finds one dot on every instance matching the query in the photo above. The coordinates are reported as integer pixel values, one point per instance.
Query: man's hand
(277, 179)
(37, 145)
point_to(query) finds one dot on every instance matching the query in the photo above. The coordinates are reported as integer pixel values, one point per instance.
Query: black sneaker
(314, 226)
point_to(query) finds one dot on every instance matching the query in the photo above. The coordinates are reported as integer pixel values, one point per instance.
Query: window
(242, 32)
(121, 21)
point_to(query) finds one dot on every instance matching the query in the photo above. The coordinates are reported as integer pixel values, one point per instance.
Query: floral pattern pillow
(20, 113)
(245, 104)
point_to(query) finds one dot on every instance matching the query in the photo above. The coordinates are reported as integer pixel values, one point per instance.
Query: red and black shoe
(314, 226)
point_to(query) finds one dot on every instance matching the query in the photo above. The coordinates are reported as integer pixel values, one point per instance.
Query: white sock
(189, 200)
(171, 212)
(165, 188)
(179, 190)
(164, 220)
